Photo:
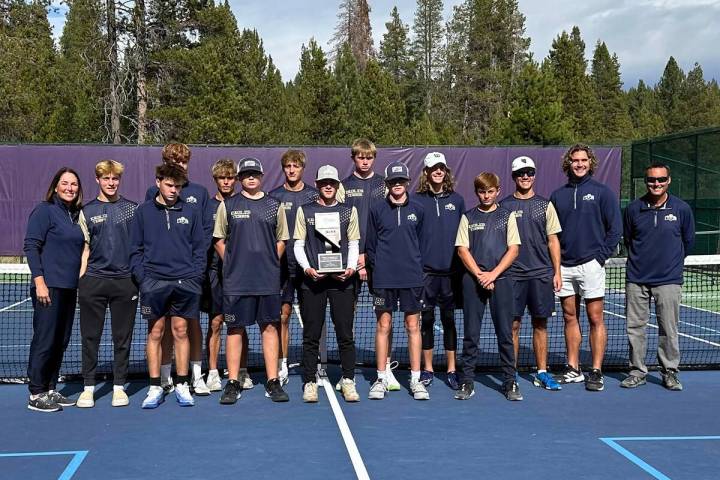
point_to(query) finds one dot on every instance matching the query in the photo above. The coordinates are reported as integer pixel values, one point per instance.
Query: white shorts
(586, 280)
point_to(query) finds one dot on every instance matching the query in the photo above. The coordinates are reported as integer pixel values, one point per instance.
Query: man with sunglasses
(591, 228)
(659, 231)
(536, 271)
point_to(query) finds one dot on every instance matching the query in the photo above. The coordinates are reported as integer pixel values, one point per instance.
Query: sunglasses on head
(530, 172)
(656, 179)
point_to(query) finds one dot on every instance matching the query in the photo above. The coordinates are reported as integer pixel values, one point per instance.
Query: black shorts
(406, 300)
(536, 294)
(290, 285)
(439, 291)
(170, 298)
(211, 301)
(244, 310)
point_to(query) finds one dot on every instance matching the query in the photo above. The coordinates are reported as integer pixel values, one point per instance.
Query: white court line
(682, 321)
(350, 445)
(14, 305)
(296, 309)
(679, 333)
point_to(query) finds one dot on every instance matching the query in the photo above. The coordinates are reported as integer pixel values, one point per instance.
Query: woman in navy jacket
(53, 247)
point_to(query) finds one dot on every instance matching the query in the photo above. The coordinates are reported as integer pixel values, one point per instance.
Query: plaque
(327, 224)
(330, 263)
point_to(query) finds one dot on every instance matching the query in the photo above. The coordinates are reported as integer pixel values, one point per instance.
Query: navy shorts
(290, 285)
(406, 300)
(536, 294)
(211, 301)
(170, 298)
(244, 310)
(439, 291)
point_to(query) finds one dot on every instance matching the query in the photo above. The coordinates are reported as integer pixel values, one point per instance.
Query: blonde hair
(223, 168)
(293, 156)
(176, 152)
(424, 183)
(107, 167)
(486, 180)
(363, 145)
(578, 147)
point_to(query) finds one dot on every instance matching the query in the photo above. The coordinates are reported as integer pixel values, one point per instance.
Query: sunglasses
(397, 181)
(656, 179)
(524, 173)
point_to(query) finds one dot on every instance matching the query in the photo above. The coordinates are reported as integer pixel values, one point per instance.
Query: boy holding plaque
(326, 237)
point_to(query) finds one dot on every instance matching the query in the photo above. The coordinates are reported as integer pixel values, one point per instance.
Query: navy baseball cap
(250, 165)
(397, 171)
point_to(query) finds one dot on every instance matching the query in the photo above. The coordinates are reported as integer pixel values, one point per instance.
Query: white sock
(196, 369)
(34, 397)
(415, 376)
(213, 372)
(381, 375)
(116, 388)
(165, 372)
(541, 371)
(89, 388)
(283, 363)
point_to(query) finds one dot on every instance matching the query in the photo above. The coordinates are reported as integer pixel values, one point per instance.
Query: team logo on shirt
(229, 317)
(354, 192)
(286, 205)
(589, 196)
(473, 227)
(412, 217)
(518, 213)
(310, 221)
(191, 199)
(670, 218)
(145, 310)
(240, 213)
(99, 218)
(183, 220)
(450, 207)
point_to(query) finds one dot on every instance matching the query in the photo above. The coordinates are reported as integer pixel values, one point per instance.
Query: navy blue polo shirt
(106, 226)
(363, 193)
(54, 244)
(394, 235)
(657, 241)
(290, 201)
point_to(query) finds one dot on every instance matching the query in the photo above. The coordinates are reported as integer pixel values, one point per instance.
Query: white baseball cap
(522, 162)
(433, 158)
(327, 172)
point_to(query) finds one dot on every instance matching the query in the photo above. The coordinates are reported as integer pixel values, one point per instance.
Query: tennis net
(699, 329)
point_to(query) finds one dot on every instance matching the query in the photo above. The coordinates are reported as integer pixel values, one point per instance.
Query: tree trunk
(141, 65)
(113, 67)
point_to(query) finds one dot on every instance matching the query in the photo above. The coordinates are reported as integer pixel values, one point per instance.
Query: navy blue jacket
(195, 196)
(167, 243)
(440, 224)
(108, 226)
(54, 244)
(590, 218)
(393, 244)
(657, 240)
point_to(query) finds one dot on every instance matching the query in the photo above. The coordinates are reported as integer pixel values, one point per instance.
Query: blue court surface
(648, 432)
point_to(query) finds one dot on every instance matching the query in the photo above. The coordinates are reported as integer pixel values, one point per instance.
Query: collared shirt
(487, 235)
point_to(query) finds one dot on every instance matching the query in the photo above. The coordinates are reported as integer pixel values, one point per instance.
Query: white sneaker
(246, 381)
(349, 392)
(392, 384)
(182, 395)
(419, 391)
(86, 399)
(200, 388)
(214, 383)
(310, 392)
(120, 399)
(283, 375)
(378, 390)
(154, 398)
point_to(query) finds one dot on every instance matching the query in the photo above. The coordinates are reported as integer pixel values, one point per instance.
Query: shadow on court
(646, 431)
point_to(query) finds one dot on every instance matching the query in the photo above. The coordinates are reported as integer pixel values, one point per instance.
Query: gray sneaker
(512, 392)
(633, 381)
(466, 391)
(671, 381)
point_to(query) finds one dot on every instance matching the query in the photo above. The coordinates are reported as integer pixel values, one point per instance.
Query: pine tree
(668, 92)
(27, 82)
(83, 75)
(614, 122)
(427, 47)
(353, 28)
(696, 103)
(536, 114)
(347, 116)
(567, 59)
(380, 107)
(394, 55)
(644, 111)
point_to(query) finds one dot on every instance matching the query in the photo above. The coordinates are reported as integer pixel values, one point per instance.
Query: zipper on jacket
(398, 212)
(437, 206)
(167, 218)
(575, 198)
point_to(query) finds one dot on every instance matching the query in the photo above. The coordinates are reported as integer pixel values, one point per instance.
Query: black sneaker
(275, 392)
(466, 391)
(595, 381)
(43, 403)
(671, 381)
(570, 375)
(512, 392)
(231, 393)
(60, 399)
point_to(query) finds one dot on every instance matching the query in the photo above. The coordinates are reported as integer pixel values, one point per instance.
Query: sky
(643, 33)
